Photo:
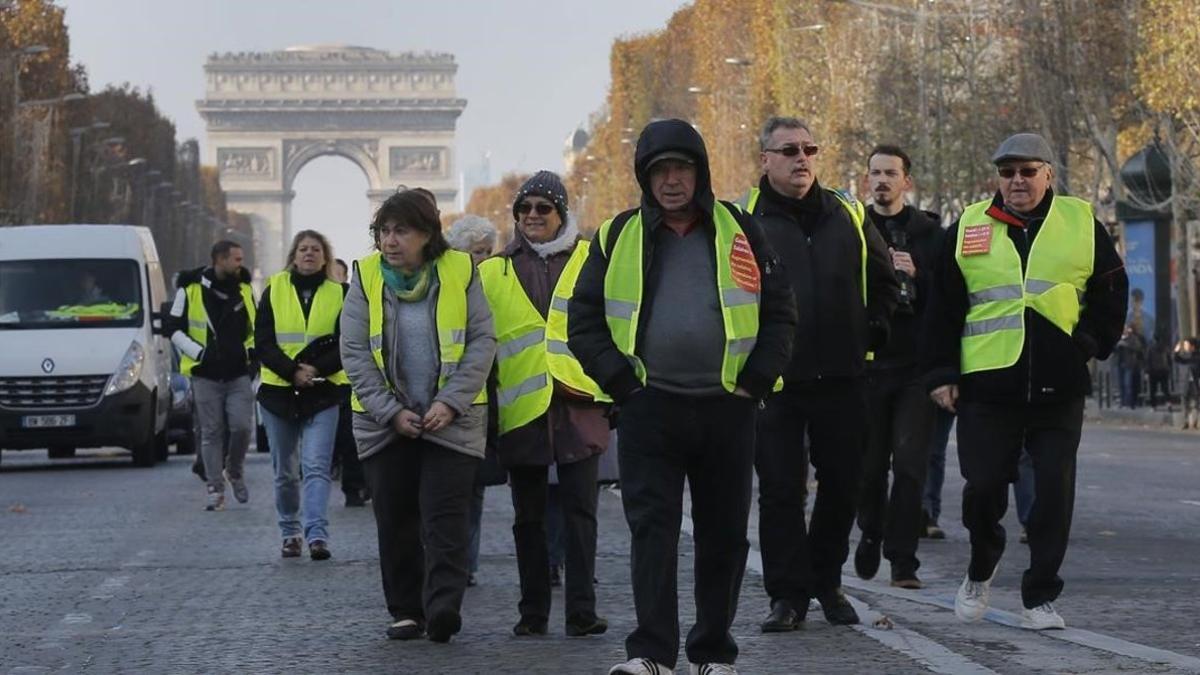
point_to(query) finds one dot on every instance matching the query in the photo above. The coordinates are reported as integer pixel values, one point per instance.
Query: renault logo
(47, 366)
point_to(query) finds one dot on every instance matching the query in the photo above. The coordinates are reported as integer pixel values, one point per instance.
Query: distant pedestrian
(549, 412)
(1028, 288)
(215, 306)
(682, 314)
(476, 236)
(303, 385)
(345, 453)
(417, 345)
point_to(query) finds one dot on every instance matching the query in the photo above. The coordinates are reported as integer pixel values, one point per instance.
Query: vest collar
(1000, 212)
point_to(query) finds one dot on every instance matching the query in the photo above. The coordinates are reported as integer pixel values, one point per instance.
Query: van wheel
(146, 453)
(60, 452)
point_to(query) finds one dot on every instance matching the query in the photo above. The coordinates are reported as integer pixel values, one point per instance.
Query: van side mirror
(161, 322)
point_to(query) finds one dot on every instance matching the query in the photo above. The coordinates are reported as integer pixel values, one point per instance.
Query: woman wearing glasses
(417, 345)
(548, 411)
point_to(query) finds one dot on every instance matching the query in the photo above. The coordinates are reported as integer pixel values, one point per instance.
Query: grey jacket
(373, 430)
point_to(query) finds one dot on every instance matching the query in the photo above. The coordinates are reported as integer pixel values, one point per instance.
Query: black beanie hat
(544, 184)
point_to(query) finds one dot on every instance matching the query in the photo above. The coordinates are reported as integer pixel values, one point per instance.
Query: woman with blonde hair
(296, 337)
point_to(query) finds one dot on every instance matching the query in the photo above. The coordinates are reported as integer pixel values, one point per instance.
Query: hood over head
(673, 136)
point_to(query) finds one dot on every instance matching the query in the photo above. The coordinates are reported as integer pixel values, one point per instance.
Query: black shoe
(837, 608)
(905, 576)
(529, 626)
(866, 558)
(472, 581)
(319, 550)
(405, 629)
(782, 619)
(555, 577)
(586, 624)
(443, 624)
(355, 499)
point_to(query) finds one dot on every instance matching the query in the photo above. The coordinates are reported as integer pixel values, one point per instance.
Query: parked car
(83, 362)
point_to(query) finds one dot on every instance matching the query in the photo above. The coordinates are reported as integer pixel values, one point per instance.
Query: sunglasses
(543, 209)
(1025, 171)
(793, 150)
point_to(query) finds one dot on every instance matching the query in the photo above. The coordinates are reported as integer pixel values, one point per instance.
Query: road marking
(109, 587)
(1189, 502)
(77, 618)
(1077, 636)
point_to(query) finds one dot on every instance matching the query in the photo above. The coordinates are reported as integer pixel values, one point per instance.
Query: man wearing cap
(1028, 289)
(845, 291)
(683, 316)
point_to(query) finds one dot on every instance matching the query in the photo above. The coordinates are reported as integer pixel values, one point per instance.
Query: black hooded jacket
(225, 356)
(589, 336)
(1053, 365)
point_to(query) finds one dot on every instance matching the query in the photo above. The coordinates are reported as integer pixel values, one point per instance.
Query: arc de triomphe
(270, 113)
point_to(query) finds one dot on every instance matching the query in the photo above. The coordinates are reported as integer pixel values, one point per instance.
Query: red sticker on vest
(743, 266)
(977, 240)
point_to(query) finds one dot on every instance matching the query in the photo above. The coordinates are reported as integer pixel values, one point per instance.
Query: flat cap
(1026, 147)
(671, 154)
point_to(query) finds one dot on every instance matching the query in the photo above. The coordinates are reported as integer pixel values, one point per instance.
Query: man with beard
(901, 414)
(845, 291)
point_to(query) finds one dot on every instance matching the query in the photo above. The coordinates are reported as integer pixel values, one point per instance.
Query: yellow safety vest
(197, 318)
(292, 331)
(532, 351)
(111, 310)
(453, 269)
(858, 216)
(1052, 284)
(739, 295)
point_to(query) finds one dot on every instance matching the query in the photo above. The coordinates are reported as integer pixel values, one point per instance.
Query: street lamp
(738, 61)
(76, 148)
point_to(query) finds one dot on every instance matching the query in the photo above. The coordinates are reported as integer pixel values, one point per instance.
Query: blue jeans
(307, 445)
(936, 475)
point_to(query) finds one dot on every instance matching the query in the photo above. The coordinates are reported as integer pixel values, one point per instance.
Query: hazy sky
(530, 71)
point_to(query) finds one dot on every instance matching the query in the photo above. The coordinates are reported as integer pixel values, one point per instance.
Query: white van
(82, 363)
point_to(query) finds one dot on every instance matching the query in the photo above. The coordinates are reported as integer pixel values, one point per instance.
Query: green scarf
(408, 288)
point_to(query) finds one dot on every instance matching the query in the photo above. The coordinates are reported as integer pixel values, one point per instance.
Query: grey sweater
(683, 341)
(373, 429)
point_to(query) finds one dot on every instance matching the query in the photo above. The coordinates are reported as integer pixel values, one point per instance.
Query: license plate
(47, 421)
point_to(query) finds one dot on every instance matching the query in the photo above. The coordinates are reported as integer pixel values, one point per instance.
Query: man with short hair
(1028, 288)
(683, 316)
(845, 290)
(901, 414)
(214, 309)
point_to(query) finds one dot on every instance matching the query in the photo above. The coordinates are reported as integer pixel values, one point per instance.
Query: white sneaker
(971, 602)
(713, 669)
(640, 666)
(1042, 617)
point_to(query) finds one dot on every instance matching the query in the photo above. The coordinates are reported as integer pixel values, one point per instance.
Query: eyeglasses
(793, 150)
(543, 209)
(1025, 171)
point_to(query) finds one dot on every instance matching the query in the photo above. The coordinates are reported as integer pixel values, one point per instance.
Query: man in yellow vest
(845, 290)
(684, 318)
(1028, 288)
(549, 412)
(215, 309)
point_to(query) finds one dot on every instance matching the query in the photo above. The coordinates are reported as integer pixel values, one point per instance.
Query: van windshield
(69, 293)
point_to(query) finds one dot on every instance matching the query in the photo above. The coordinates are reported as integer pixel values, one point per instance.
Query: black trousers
(663, 439)
(421, 494)
(901, 422)
(345, 452)
(577, 493)
(800, 562)
(990, 440)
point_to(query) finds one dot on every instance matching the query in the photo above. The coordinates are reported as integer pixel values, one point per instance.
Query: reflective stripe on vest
(453, 270)
(998, 292)
(858, 216)
(197, 321)
(532, 352)
(623, 284)
(292, 331)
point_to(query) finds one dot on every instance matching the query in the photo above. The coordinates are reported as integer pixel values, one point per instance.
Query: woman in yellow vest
(550, 413)
(417, 345)
(295, 337)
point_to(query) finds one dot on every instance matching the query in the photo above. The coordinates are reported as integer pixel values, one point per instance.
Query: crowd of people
(720, 340)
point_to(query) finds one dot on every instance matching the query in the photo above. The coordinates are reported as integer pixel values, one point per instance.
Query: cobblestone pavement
(110, 569)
